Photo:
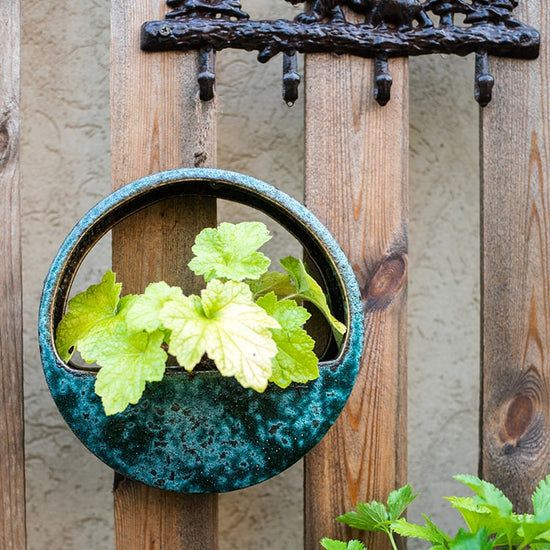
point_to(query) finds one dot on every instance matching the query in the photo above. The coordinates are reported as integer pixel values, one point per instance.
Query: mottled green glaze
(204, 433)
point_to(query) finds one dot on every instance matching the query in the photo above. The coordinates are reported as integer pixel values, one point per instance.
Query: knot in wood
(385, 284)
(519, 417)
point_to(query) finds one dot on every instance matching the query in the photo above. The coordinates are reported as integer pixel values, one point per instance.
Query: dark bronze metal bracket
(391, 28)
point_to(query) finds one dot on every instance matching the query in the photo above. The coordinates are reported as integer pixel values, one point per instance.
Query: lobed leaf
(226, 324)
(89, 312)
(144, 311)
(295, 360)
(230, 251)
(128, 360)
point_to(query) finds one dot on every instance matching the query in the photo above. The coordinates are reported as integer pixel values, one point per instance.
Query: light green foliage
(252, 329)
(295, 360)
(226, 324)
(272, 281)
(230, 252)
(128, 360)
(88, 313)
(378, 517)
(144, 311)
(330, 544)
(489, 516)
(308, 288)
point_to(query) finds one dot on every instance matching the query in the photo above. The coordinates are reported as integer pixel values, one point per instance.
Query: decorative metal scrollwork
(390, 28)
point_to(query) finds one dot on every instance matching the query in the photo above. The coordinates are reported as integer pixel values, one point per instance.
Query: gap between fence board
(12, 463)
(157, 123)
(357, 183)
(515, 406)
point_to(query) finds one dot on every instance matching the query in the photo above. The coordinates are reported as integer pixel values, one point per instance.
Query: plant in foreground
(247, 320)
(489, 517)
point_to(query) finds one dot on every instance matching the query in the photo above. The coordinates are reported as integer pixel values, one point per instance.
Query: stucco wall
(65, 170)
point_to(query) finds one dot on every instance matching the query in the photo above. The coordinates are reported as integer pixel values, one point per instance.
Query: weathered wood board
(356, 183)
(12, 465)
(515, 408)
(158, 123)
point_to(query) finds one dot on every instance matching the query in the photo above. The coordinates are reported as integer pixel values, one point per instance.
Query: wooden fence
(370, 173)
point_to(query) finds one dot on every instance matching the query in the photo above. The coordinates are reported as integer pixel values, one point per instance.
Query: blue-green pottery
(204, 433)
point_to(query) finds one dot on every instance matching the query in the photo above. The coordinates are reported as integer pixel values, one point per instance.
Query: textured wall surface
(65, 170)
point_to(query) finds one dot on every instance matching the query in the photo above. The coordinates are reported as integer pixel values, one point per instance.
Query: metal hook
(291, 78)
(382, 80)
(483, 89)
(207, 75)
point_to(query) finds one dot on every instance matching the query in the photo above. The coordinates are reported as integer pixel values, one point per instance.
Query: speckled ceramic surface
(204, 433)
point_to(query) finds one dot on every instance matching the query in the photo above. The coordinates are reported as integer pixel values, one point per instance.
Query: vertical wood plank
(157, 123)
(515, 416)
(12, 476)
(356, 183)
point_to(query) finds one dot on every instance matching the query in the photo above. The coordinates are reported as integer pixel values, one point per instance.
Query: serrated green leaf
(370, 516)
(144, 311)
(128, 360)
(226, 324)
(331, 544)
(295, 360)
(487, 494)
(478, 516)
(230, 251)
(474, 514)
(398, 501)
(541, 500)
(272, 281)
(88, 312)
(429, 532)
(308, 288)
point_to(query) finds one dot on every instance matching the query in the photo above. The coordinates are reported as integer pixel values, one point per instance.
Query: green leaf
(429, 532)
(307, 288)
(370, 516)
(272, 281)
(295, 360)
(541, 500)
(474, 514)
(88, 313)
(227, 325)
(471, 541)
(532, 531)
(331, 544)
(398, 501)
(128, 360)
(230, 251)
(487, 494)
(144, 311)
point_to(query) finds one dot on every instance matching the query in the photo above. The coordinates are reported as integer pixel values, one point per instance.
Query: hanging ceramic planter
(202, 432)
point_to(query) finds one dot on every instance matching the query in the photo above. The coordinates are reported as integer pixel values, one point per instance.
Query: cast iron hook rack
(391, 28)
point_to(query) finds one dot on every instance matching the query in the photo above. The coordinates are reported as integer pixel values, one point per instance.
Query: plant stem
(392, 540)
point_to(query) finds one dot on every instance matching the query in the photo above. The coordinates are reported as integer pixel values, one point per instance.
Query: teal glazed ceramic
(204, 433)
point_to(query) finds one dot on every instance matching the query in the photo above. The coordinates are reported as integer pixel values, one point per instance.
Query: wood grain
(356, 183)
(12, 466)
(157, 123)
(515, 418)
